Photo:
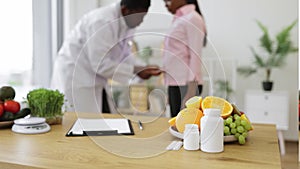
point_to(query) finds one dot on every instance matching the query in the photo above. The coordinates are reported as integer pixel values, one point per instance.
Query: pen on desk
(140, 125)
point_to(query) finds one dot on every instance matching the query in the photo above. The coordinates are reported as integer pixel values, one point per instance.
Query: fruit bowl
(177, 134)
(6, 124)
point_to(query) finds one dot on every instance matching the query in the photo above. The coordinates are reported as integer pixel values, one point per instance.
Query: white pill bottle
(191, 137)
(212, 131)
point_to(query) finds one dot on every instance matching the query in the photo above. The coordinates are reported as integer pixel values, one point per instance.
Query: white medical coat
(96, 49)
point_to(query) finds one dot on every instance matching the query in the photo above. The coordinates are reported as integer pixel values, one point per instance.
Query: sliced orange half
(188, 116)
(217, 103)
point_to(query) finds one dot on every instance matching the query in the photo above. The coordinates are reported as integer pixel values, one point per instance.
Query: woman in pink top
(182, 52)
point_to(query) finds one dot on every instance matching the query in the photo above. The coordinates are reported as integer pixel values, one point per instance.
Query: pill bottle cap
(212, 112)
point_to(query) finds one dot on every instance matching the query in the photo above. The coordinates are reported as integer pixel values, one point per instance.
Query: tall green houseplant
(274, 55)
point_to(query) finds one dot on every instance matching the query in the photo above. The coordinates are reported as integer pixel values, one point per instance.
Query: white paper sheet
(83, 124)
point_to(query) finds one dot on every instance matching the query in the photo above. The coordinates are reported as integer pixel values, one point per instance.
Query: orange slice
(194, 102)
(217, 103)
(188, 116)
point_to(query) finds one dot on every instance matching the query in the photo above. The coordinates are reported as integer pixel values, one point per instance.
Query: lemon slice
(217, 103)
(194, 102)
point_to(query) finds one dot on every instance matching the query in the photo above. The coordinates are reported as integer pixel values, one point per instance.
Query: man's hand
(145, 72)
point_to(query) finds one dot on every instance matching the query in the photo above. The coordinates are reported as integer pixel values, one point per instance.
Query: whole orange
(188, 116)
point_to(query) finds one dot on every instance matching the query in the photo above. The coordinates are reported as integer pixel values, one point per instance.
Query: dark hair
(136, 4)
(195, 2)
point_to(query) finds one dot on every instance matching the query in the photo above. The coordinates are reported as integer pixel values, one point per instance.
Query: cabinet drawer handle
(266, 113)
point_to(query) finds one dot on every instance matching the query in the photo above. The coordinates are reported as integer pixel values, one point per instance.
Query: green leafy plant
(45, 102)
(275, 51)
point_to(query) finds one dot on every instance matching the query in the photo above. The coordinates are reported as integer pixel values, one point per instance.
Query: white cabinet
(269, 108)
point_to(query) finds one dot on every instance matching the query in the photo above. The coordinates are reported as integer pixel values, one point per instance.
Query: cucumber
(22, 113)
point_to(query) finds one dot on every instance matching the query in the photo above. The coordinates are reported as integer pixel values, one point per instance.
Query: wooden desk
(54, 150)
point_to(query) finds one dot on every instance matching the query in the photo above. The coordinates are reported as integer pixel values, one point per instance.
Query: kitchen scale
(32, 125)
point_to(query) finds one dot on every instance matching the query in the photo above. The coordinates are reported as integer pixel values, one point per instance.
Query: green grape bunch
(237, 125)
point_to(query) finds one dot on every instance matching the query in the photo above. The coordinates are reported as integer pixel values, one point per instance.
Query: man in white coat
(96, 50)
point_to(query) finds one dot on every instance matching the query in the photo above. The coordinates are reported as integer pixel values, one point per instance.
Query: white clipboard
(100, 127)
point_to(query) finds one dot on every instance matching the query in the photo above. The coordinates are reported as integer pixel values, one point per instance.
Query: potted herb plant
(46, 103)
(274, 53)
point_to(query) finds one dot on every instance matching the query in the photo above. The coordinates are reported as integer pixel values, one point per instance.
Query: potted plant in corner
(274, 53)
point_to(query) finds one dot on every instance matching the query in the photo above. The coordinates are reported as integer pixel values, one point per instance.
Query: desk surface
(143, 150)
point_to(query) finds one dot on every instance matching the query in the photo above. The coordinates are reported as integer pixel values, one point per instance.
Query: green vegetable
(22, 113)
(45, 102)
(7, 93)
(7, 116)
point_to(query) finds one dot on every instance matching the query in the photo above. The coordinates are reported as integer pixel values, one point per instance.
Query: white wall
(74, 9)
(153, 29)
(231, 31)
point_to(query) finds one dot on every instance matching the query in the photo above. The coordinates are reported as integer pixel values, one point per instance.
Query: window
(16, 42)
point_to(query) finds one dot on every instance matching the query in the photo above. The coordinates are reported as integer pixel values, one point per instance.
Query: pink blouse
(183, 46)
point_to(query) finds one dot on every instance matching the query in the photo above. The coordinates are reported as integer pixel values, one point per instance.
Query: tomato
(1, 109)
(12, 106)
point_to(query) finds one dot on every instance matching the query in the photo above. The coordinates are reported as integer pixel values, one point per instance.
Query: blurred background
(33, 31)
